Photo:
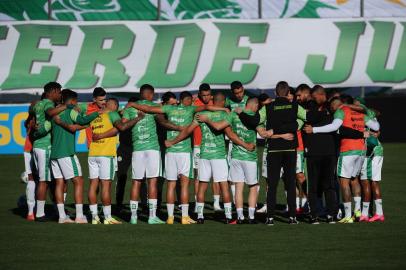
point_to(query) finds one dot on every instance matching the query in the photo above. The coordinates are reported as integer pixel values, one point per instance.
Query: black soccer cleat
(331, 219)
(200, 221)
(293, 221)
(42, 219)
(240, 221)
(252, 221)
(314, 220)
(269, 222)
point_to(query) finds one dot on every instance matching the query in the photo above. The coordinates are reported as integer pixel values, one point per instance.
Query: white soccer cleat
(262, 209)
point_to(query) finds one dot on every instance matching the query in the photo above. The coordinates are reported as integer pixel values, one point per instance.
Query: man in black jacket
(321, 156)
(281, 116)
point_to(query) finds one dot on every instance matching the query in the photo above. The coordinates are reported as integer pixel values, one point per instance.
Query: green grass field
(27, 245)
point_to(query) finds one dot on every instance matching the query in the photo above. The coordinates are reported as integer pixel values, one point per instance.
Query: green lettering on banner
(228, 51)
(344, 58)
(92, 53)
(157, 69)
(379, 54)
(27, 52)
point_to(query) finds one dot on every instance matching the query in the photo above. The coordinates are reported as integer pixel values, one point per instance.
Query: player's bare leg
(376, 191)
(366, 199)
(252, 202)
(92, 196)
(301, 197)
(30, 195)
(78, 194)
(170, 200)
(225, 191)
(345, 187)
(239, 201)
(134, 200)
(41, 198)
(106, 201)
(59, 190)
(153, 201)
(200, 201)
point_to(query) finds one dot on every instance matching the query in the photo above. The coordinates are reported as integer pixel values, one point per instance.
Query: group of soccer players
(330, 138)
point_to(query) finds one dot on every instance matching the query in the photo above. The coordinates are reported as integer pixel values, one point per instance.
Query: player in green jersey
(44, 111)
(64, 162)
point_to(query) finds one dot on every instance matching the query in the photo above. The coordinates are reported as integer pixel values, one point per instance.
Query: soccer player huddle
(322, 147)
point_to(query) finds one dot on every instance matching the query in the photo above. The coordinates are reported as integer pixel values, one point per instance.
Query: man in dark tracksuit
(321, 157)
(281, 117)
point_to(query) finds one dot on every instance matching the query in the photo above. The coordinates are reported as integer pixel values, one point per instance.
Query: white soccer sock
(170, 207)
(240, 213)
(357, 203)
(200, 207)
(107, 211)
(227, 210)
(347, 209)
(30, 194)
(134, 208)
(378, 207)
(365, 209)
(233, 193)
(61, 210)
(251, 212)
(216, 200)
(153, 204)
(64, 197)
(79, 210)
(304, 201)
(297, 202)
(93, 210)
(40, 208)
(185, 209)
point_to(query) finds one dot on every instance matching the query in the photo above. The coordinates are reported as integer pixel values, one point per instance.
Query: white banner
(121, 56)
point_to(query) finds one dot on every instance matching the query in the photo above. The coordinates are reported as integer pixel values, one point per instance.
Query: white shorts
(264, 164)
(349, 166)
(66, 167)
(216, 168)
(102, 168)
(178, 164)
(196, 157)
(244, 171)
(28, 163)
(300, 162)
(372, 168)
(146, 164)
(43, 163)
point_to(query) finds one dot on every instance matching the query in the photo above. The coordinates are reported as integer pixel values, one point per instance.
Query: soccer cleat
(42, 219)
(269, 222)
(346, 220)
(331, 219)
(252, 221)
(187, 220)
(200, 221)
(81, 220)
(217, 207)
(170, 220)
(262, 209)
(133, 220)
(111, 221)
(30, 217)
(65, 220)
(230, 221)
(380, 218)
(364, 219)
(155, 220)
(240, 221)
(96, 220)
(357, 216)
(314, 220)
(293, 221)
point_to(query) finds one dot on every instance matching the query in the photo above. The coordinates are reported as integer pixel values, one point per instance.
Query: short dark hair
(52, 86)
(204, 87)
(235, 85)
(167, 96)
(347, 99)
(145, 87)
(115, 100)
(133, 99)
(262, 97)
(250, 99)
(185, 94)
(217, 94)
(99, 92)
(68, 94)
(282, 89)
(303, 87)
(318, 88)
